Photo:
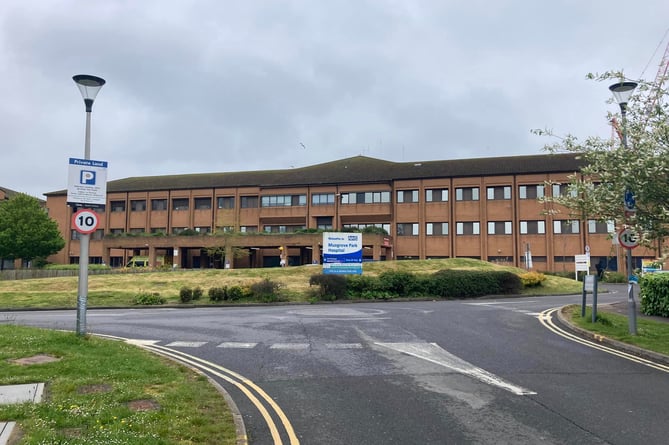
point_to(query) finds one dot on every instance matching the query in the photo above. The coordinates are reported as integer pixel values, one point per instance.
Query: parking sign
(87, 183)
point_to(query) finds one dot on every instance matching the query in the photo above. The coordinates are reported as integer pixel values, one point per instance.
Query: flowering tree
(611, 167)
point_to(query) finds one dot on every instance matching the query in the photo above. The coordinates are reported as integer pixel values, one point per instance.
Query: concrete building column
(228, 263)
(152, 256)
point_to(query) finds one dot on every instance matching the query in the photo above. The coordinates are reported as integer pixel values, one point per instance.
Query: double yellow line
(260, 399)
(546, 318)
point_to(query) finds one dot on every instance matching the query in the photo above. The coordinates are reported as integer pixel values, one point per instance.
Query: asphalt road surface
(431, 372)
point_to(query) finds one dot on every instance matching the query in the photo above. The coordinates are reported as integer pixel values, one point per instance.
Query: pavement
(11, 394)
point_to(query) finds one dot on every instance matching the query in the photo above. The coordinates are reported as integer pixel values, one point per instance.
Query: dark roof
(358, 169)
(8, 192)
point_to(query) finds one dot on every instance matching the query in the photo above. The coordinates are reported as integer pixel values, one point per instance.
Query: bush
(149, 298)
(655, 294)
(197, 293)
(532, 279)
(398, 283)
(473, 283)
(330, 287)
(218, 293)
(615, 277)
(185, 294)
(266, 290)
(237, 293)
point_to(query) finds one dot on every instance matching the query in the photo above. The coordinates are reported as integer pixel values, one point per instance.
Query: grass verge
(651, 335)
(108, 392)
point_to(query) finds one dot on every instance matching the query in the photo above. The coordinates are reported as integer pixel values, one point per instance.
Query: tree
(610, 169)
(26, 231)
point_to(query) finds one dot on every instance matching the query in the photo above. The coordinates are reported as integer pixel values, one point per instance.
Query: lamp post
(89, 87)
(622, 91)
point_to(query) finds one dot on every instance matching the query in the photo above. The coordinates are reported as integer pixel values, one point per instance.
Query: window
(249, 202)
(436, 195)
(226, 202)
(468, 228)
(365, 198)
(566, 226)
(407, 196)
(136, 230)
(159, 204)
(117, 206)
(180, 204)
(499, 192)
(531, 191)
(532, 227)
(321, 199)
(138, 205)
(283, 200)
(601, 227)
(407, 229)
(436, 229)
(205, 229)
(248, 229)
(74, 235)
(563, 190)
(500, 228)
(202, 203)
(282, 229)
(467, 194)
(178, 230)
(98, 234)
(159, 230)
(324, 222)
(116, 231)
(385, 227)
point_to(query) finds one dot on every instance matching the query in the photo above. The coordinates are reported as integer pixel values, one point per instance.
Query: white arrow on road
(433, 353)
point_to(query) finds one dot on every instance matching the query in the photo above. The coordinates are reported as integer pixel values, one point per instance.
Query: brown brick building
(483, 208)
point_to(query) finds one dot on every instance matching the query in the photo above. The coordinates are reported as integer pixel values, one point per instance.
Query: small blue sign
(87, 177)
(630, 202)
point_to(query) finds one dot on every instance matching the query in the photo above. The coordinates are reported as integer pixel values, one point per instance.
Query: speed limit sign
(85, 221)
(628, 238)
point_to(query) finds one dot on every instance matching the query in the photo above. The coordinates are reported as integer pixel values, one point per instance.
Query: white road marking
(344, 345)
(433, 353)
(290, 346)
(237, 345)
(187, 344)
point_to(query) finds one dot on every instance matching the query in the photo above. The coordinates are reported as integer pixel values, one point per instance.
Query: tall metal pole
(89, 87)
(631, 304)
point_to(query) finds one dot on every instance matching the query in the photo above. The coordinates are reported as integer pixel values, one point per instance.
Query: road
(429, 372)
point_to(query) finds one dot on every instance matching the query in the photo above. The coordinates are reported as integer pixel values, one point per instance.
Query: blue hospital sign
(87, 183)
(342, 253)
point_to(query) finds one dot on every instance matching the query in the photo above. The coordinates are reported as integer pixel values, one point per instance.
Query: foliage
(218, 293)
(236, 292)
(197, 293)
(610, 168)
(266, 290)
(149, 298)
(330, 287)
(26, 230)
(473, 283)
(186, 294)
(400, 283)
(375, 230)
(655, 294)
(531, 279)
(614, 277)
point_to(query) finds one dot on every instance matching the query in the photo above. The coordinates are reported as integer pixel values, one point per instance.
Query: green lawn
(95, 386)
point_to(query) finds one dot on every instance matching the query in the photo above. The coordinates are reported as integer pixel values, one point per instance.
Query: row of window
(403, 196)
(505, 228)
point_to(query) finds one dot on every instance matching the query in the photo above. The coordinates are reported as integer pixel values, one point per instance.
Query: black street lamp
(622, 91)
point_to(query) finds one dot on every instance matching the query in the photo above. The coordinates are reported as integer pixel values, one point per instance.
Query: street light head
(622, 91)
(89, 87)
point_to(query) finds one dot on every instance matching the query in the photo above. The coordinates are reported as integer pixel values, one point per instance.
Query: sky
(217, 85)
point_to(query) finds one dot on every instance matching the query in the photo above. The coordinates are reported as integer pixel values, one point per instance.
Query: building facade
(484, 208)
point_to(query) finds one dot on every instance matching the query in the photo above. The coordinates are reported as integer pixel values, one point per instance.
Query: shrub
(398, 283)
(185, 294)
(330, 287)
(614, 277)
(532, 279)
(655, 294)
(218, 293)
(149, 298)
(197, 293)
(455, 283)
(237, 293)
(266, 290)
(363, 286)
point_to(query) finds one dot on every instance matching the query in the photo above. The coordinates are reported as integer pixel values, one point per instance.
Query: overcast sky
(213, 86)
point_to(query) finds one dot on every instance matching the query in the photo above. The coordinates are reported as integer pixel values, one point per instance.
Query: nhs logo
(87, 177)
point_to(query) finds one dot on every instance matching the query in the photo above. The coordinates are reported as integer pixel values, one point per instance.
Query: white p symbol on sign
(87, 177)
